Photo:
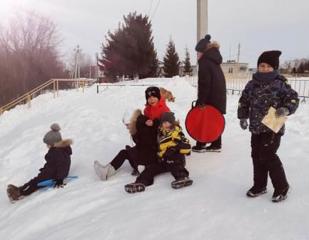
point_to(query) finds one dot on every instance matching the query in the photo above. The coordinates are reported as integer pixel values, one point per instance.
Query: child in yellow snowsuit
(173, 146)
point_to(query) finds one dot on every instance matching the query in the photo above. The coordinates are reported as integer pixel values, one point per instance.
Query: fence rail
(28, 96)
(235, 85)
(107, 85)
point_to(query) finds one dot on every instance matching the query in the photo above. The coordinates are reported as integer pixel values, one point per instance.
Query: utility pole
(202, 18)
(238, 53)
(77, 65)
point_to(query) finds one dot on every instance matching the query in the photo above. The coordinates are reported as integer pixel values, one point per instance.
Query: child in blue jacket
(267, 89)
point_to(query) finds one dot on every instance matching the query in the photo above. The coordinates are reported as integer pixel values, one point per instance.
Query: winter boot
(213, 148)
(182, 182)
(104, 172)
(199, 148)
(134, 187)
(13, 193)
(255, 192)
(280, 195)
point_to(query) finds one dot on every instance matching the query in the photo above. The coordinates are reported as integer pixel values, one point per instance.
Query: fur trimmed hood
(212, 53)
(213, 44)
(132, 124)
(63, 143)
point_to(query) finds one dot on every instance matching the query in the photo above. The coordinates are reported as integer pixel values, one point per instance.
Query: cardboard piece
(272, 121)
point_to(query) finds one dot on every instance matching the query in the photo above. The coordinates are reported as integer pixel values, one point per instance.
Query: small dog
(168, 95)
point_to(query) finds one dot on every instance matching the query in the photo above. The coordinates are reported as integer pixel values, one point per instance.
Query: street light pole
(202, 18)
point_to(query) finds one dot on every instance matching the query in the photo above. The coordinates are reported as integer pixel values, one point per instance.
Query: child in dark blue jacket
(266, 89)
(57, 166)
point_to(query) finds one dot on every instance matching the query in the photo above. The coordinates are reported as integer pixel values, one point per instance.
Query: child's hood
(169, 133)
(62, 146)
(63, 143)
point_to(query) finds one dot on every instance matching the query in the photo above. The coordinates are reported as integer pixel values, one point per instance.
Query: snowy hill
(214, 207)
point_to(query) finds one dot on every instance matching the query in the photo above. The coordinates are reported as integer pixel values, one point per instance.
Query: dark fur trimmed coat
(57, 166)
(211, 81)
(145, 139)
(58, 161)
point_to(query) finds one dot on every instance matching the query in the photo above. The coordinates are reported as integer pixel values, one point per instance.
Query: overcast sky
(257, 25)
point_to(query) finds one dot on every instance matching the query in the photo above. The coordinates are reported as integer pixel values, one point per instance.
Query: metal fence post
(29, 101)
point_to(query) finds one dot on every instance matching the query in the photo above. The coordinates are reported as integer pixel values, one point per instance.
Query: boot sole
(199, 151)
(213, 150)
(257, 194)
(134, 188)
(181, 184)
(206, 150)
(282, 198)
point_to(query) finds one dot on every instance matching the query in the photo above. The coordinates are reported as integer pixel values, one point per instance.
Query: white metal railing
(236, 84)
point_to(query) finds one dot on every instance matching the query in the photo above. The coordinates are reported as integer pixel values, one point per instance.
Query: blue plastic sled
(51, 182)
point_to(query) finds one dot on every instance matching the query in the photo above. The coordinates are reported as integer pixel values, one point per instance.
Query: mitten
(59, 183)
(243, 124)
(282, 112)
(169, 153)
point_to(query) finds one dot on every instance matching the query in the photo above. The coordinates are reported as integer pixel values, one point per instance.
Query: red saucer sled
(204, 123)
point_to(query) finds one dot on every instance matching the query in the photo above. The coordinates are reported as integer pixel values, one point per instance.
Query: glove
(59, 183)
(243, 124)
(282, 112)
(169, 153)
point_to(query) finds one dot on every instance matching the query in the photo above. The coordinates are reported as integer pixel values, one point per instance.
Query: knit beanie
(201, 46)
(271, 58)
(168, 117)
(53, 136)
(152, 92)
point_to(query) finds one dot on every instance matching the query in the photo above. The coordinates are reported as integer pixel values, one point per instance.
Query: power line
(155, 11)
(150, 8)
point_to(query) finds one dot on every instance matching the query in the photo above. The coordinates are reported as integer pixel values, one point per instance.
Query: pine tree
(301, 68)
(111, 62)
(130, 50)
(171, 61)
(154, 66)
(306, 67)
(187, 64)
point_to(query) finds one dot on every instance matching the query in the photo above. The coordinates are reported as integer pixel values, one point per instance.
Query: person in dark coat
(211, 88)
(267, 89)
(144, 136)
(57, 166)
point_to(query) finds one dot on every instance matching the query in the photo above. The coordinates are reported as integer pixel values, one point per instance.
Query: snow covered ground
(214, 207)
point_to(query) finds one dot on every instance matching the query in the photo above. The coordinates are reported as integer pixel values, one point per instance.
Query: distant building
(233, 69)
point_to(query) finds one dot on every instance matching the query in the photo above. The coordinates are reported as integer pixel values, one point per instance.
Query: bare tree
(29, 54)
